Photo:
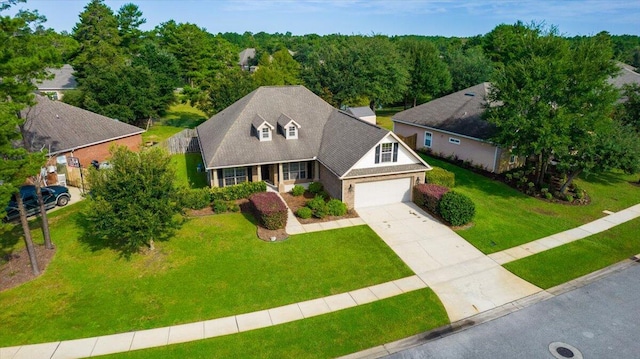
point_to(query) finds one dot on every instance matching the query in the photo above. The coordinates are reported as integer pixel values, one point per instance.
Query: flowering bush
(428, 195)
(269, 209)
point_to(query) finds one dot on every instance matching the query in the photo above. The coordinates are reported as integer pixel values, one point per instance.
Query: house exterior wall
(369, 119)
(479, 153)
(331, 183)
(349, 195)
(368, 160)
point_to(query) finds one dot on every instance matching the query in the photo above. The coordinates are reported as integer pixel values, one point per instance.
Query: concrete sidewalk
(123, 342)
(571, 235)
(466, 281)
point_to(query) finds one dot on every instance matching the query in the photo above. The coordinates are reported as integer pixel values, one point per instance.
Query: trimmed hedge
(318, 206)
(456, 208)
(297, 190)
(304, 212)
(441, 177)
(239, 191)
(428, 195)
(336, 207)
(315, 187)
(220, 206)
(269, 209)
(197, 198)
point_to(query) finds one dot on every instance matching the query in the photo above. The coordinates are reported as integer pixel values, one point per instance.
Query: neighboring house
(287, 135)
(364, 113)
(63, 80)
(245, 57)
(453, 126)
(66, 131)
(627, 76)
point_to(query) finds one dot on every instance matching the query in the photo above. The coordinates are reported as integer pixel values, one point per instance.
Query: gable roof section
(626, 76)
(459, 113)
(245, 55)
(363, 111)
(63, 79)
(59, 127)
(226, 141)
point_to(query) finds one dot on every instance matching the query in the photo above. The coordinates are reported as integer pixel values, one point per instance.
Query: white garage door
(377, 193)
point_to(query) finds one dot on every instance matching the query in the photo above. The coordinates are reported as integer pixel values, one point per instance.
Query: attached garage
(369, 194)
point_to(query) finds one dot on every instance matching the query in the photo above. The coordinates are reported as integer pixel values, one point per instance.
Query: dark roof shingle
(63, 79)
(59, 127)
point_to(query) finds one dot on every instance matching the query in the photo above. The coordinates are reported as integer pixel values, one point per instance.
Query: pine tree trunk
(43, 216)
(570, 178)
(28, 241)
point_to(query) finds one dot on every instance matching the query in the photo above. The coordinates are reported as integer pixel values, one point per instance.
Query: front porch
(282, 176)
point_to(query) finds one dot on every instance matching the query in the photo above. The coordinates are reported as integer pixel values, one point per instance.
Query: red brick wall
(100, 152)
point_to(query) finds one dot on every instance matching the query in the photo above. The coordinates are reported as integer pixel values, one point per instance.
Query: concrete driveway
(467, 281)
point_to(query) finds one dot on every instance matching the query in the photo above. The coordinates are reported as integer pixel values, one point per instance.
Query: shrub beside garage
(455, 208)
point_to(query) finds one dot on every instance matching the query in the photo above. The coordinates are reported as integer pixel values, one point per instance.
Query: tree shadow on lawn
(607, 178)
(184, 119)
(95, 243)
(11, 234)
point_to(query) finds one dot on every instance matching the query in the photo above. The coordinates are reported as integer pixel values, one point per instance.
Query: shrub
(324, 194)
(441, 177)
(304, 212)
(548, 195)
(193, 198)
(428, 195)
(297, 190)
(315, 187)
(220, 206)
(579, 194)
(233, 207)
(239, 191)
(336, 207)
(269, 209)
(569, 198)
(456, 208)
(318, 206)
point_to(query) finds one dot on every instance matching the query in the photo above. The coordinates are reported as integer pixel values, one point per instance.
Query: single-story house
(244, 59)
(286, 135)
(452, 125)
(68, 133)
(365, 113)
(63, 80)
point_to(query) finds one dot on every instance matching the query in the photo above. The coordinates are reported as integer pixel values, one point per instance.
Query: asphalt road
(601, 320)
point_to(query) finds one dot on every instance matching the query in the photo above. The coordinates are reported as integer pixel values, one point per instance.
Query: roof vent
(470, 94)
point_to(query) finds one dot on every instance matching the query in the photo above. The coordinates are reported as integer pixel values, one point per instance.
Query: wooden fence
(410, 140)
(185, 141)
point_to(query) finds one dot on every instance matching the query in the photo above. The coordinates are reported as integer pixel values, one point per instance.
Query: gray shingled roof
(245, 55)
(459, 112)
(335, 138)
(59, 127)
(386, 169)
(361, 111)
(63, 79)
(626, 76)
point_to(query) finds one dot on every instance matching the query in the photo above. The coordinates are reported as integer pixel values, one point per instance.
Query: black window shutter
(310, 169)
(249, 174)
(395, 152)
(378, 154)
(220, 179)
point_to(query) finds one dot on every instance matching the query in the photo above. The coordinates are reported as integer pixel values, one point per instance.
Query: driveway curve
(466, 280)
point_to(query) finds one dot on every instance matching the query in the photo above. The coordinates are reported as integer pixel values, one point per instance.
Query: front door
(266, 173)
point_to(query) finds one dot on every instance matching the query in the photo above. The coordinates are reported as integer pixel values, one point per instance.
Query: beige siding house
(452, 126)
(286, 135)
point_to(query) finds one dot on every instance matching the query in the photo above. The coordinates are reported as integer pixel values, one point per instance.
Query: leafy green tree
(129, 19)
(132, 203)
(25, 55)
(277, 69)
(628, 110)
(98, 38)
(548, 101)
(229, 88)
(429, 75)
(468, 67)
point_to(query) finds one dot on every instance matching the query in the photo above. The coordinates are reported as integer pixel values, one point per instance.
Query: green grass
(506, 218)
(187, 174)
(562, 264)
(327, 336)
(184, 116)
(214, 267)
(158, 133)
(383, 117)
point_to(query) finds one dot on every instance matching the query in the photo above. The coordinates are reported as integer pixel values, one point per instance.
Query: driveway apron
(467, 281)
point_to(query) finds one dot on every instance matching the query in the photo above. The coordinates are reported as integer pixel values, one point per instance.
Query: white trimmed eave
(95, 143)
(261, 163)
(443, 131)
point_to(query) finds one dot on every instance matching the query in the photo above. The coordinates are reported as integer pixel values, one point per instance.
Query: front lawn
(214, 267)
(506, 218)
(327, 336)
(383, 117)
(570, 261)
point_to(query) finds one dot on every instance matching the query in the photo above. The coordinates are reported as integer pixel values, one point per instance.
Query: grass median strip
(325, 336)
(570, 261)
(213, 267)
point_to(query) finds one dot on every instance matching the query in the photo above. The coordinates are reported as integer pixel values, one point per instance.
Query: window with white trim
(386, 152)
(294, 170)
(265, 133)
(512, 159)
(293, 133)
(234, 176)
(455, 141)
(428, 138)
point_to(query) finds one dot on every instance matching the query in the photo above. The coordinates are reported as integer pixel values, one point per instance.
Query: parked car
(51, 195)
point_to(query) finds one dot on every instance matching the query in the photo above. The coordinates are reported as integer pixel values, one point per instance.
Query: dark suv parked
(51, 195)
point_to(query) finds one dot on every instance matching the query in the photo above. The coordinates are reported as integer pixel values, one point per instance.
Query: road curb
(489, 315)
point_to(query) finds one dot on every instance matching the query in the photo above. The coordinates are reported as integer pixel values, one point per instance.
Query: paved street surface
(601, 320)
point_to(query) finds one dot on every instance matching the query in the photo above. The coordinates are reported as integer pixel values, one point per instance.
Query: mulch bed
(295, 202)
(16, 267)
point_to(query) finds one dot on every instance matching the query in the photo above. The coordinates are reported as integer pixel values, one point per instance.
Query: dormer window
(261, 128)
(288, 127)
(265, 135)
